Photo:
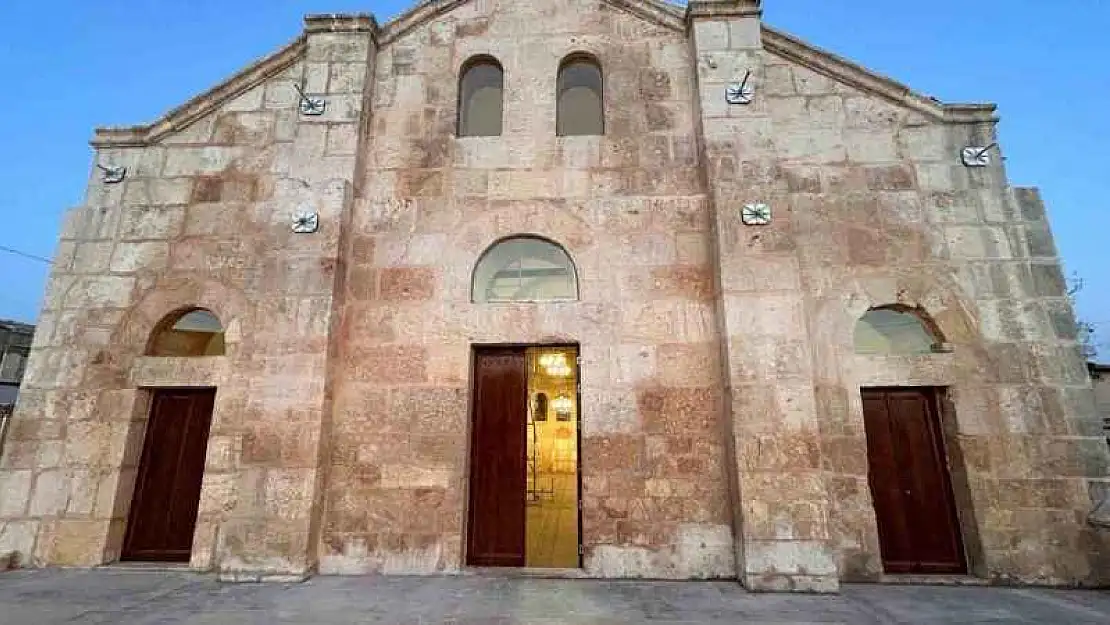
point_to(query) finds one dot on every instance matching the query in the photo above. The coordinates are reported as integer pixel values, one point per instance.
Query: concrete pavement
(123, 597)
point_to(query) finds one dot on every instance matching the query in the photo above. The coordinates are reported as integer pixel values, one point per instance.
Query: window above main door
(524, 269)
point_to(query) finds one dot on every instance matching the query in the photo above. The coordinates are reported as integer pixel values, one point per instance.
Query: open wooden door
(910, 483)
(497, 459)
(167, 490)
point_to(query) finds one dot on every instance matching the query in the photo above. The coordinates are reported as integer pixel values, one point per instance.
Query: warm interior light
(556, 365)
(562, 405)
(551, 524)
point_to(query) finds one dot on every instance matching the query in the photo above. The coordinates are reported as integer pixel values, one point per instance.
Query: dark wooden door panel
(929, 505)
(497, 457)
(167, 489)
(884, 476)
(910, 485)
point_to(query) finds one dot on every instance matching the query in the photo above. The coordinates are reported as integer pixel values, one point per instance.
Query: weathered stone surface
(721, 417)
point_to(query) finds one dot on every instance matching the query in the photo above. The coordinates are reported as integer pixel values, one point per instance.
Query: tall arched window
(580, 109)
(891, 330)
(188, 333)
(524, 269)
(481, 89)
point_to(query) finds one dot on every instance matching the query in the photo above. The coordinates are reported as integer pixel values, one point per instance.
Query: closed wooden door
(167, 489)
(910, 483)
(497, 459)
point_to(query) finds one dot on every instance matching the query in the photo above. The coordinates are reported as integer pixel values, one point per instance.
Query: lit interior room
(552, 464)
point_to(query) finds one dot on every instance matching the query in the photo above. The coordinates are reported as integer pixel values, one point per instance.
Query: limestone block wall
(628, 207)
(873, 207)
(721, 415)
(781, 511)
(202, 219)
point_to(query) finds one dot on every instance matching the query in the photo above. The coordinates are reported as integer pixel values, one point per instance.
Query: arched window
(524, 269)
(190, 333)
(580, 109)
(481, 88)
(894, 331)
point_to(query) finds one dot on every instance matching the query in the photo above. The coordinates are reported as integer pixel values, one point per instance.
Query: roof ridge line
(851, 73)
(196, 107)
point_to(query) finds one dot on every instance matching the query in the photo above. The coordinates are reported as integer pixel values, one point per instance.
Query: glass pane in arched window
(480, 99)
(581, 104)
(524, 269)
(194, 333)
(889, 331)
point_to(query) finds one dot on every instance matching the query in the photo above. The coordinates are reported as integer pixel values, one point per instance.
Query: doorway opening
(525, 472)
(911, 486)
(166, 498)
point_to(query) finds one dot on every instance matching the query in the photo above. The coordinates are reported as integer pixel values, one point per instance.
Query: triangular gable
(659, 12)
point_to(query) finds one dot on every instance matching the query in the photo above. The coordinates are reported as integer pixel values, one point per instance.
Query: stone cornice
(342, 23)
(970, 113)
(716, 9)
(851, 74)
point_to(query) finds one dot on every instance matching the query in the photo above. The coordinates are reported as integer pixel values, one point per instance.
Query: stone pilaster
(779, 496)
(273, 528)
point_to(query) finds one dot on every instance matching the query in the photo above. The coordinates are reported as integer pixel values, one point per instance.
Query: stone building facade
(722, 421)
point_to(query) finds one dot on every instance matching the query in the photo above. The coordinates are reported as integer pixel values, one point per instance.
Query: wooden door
(497, 457)
(910, 483)
(167, 489)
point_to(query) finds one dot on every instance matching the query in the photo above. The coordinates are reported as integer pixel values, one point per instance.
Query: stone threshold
(929, 580)
(233, 577)
(526, 572)
(163, 567)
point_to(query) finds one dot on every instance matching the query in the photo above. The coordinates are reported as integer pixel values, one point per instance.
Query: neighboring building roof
(1098, 369)
(16, 326)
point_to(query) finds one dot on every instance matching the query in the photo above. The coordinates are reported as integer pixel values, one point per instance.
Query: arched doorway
(524, 468)
(908, 468)
(164, 504)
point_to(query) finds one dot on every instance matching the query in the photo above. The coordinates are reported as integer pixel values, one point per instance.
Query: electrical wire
(4, 248)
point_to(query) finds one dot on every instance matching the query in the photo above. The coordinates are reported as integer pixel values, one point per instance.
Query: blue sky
(71, 65)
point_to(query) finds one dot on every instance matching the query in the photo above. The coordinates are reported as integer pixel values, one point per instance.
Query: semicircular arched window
(524, 269)
(189, 333)
(892, 331)
(580, 103)
(481, 98)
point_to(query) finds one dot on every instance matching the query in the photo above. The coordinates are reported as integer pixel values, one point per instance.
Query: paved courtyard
(133, 597)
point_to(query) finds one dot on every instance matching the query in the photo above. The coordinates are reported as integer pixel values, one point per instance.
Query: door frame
(472, 406)
(148, 404)
(937, 397)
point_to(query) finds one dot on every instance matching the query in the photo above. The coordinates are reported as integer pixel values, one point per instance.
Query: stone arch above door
(941, 302)
(896, 330)
(174, 295)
